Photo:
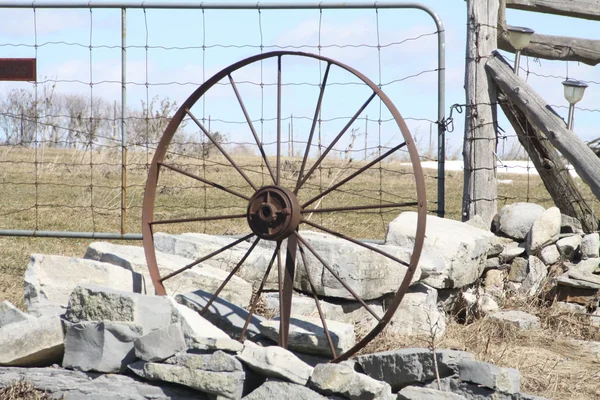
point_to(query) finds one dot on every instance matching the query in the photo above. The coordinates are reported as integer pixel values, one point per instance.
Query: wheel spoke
(336, 276)
(258, 293)
(251, 125)
(357, 208)
(312, 128)
(221, 149)
(357, 242)
(278, 176)
(233, 272)
(214, 253)
(337, 138)
(205, 181)
(197, 219)
(285, 302)
(354, 175)
(317, 302)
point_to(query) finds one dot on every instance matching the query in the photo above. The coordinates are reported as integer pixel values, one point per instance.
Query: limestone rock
(421, 393)
(369, 274)
(195, 327)
(223, 314)
(463, 252)
(95, 303)
(515, 220)
(77, 385)
(493, 283)
(275, 361)
(418, 314)
(518, 319)
(202, 276)
(32, 342)
(544, 231)
(579, 279)
(49, 280)
(590, 246)
(477, 222)
(348, 312)
(277, 390)
(569, 246)
(10, 314)
(588, 266)
(196, 245)
(510, 252)
(550, 254)
(403, 367)
(217, 374)
(160, 344)
(498, 244)
(536, 274)
(306, 334)
(570, 225)
(507, 380)
(472, 391)
(343, 380)
(101, 346)
(518, 270)
(227, 345)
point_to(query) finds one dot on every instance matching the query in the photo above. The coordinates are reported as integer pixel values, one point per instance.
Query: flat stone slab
(32, 342)
(472, 391)
(507, 380)
(590, 246)
(49, 281)
(369, 274)
(348, 312)
(10, 314)
(160, 344)
(275, 361)
(404, 367)
(216, 374)
(279, 390)
(518, 319)
(461, 254)
(421, 393)
(223, 314)
(196, 245)
(202, 276)
(343, 380)
(77, 385)
(306, 334)
(101, 346)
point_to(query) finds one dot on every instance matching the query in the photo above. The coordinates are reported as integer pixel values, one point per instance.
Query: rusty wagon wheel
(274, 212)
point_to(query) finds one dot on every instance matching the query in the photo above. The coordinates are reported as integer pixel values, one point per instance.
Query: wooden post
(551, 167)
(544, 119)
(480, 187)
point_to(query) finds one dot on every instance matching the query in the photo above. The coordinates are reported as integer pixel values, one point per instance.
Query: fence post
(480, 191)
(123, 124)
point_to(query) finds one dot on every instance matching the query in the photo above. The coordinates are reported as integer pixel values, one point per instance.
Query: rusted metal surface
(273, 211)
(18, 69)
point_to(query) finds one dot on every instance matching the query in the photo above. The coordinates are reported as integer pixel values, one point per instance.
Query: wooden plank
(586, 9)
(551, 47)
(480, 190)
(556, 178)
(543, 118)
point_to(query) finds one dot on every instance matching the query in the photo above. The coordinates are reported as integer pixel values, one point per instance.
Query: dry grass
(550, 364)
(23, 390)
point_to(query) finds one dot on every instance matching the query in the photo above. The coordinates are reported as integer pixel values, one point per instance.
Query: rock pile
(95, 316)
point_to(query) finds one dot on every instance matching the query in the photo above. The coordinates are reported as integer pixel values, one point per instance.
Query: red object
(17, 69)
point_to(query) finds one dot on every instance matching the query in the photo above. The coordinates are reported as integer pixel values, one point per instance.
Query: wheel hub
(273, 213)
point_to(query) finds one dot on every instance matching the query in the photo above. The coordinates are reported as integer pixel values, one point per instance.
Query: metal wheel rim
(153, 174)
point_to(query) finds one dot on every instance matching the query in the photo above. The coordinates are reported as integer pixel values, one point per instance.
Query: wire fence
(76, 145)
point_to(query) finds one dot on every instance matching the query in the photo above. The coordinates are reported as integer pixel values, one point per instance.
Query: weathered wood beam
(543, 118)
(586, 9)
(480, 190)
(551, 47)
(556, 177)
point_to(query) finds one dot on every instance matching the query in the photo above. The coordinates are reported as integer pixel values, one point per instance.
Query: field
(80, 191)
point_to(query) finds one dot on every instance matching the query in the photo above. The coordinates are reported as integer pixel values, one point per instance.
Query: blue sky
(175, 71)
